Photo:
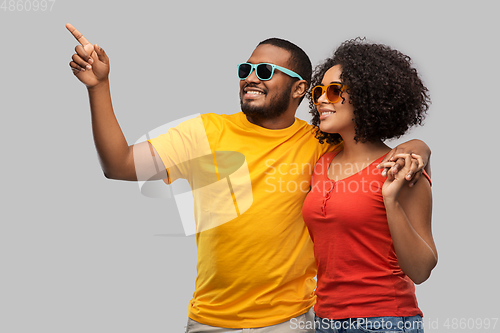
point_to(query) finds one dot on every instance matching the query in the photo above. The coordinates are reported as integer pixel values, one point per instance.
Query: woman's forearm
(415, 256)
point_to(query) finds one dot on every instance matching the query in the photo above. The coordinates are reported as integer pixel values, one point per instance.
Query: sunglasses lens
(244, 71)
(264, 71)
(333, 93)
(316, 94)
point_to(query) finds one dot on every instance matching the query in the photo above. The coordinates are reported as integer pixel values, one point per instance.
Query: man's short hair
(299, 62)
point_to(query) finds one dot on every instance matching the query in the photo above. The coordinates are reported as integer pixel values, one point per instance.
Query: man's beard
(277, 106)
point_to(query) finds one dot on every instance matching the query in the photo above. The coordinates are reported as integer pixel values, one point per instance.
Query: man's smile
(252, 92)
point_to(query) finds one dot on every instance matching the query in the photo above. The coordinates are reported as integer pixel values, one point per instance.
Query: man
(255, 270)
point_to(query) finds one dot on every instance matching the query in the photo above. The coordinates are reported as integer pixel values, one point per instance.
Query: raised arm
(90, 65)
(409, 215)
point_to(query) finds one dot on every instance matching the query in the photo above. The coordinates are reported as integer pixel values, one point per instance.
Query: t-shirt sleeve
(180, 145)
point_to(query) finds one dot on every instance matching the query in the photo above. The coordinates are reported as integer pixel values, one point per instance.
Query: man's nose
(252, 78)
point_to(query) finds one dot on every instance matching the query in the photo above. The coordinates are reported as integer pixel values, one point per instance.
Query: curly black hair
(385, 90)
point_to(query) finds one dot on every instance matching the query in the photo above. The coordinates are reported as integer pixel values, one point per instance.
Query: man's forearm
(111, 145)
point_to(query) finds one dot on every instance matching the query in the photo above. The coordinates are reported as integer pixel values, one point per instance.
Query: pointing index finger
(77, 34)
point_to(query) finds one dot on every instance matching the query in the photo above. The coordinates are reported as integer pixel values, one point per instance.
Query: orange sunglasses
(333, 92)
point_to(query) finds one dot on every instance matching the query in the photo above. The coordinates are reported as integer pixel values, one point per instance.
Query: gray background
(79, 253)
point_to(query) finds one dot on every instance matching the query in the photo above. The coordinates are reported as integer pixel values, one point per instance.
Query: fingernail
(89, 67)
(90, 61)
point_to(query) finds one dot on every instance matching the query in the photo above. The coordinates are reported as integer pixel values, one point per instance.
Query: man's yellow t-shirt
(256, 264)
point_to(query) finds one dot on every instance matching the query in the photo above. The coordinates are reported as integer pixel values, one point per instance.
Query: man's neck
(283, 121)
(273, 124)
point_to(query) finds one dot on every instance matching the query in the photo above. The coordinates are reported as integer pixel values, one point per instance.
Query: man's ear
(300, 89)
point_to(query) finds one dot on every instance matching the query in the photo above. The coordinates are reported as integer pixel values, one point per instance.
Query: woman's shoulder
(328, 156)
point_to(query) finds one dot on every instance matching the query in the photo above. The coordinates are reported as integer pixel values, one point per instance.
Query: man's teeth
(253, 92)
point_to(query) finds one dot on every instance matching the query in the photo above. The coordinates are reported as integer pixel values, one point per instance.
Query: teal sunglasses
(264, 71)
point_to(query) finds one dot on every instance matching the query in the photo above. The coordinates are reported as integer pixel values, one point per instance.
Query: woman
(372, 235)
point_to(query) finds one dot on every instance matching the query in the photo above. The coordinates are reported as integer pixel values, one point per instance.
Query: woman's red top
(358, 271)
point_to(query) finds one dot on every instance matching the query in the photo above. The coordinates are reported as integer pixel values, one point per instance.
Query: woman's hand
(395, 181)
(413, 146)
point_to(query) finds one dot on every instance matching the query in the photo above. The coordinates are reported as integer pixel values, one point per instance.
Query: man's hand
(395, 181)
(90, 63)
(417, 166)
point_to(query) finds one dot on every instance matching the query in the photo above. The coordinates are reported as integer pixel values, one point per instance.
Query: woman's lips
(325, 114)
